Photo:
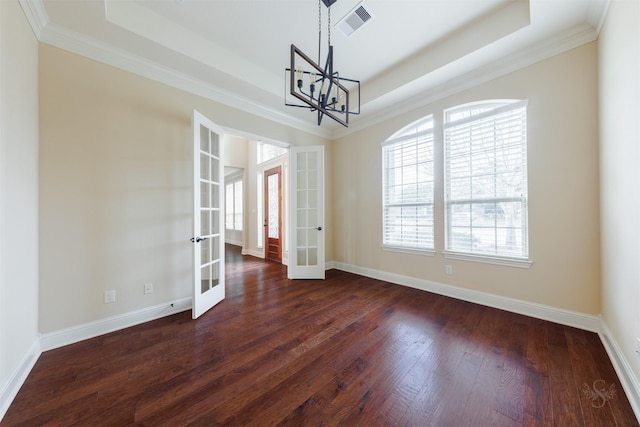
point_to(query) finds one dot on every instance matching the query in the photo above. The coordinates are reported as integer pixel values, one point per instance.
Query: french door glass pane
(302, 237)
(215, 190)
(205, 251)
(302, 180)
(215, 145)
(205, 223)
(313, 256)
(215, 221)
(312, 201)
(302, 218)
(302, 257)
(215, 274)
(204, 139)
(302, 199)
(205, 278)
(215, 247)
(204, 167)
(312, 214)
(204, 195)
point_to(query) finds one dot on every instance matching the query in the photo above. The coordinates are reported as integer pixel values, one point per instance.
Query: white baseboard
(9, 390)
(234, 242)
(74, 334)
(253, 252)
(260, 254)
(553, 314)
(627, 377)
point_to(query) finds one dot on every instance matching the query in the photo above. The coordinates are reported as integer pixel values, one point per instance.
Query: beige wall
(619, 60)
(563, 190)
(115, 183)
(18, 193)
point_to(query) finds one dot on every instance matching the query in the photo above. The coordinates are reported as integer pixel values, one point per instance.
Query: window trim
(489, 259)
(408, 250)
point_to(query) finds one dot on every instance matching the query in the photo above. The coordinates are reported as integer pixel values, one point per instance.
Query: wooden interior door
(273, 213)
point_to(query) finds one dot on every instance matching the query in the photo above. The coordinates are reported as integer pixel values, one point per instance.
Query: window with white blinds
(233, 205)
(485, 167)
(408, 187)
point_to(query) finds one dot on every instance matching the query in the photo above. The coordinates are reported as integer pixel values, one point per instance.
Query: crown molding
(597, 13)
(563, 42)
(54, 35)
(109, 55)
(49, 33)
(36, 14)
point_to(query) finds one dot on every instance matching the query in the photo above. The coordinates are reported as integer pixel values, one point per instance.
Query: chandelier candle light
(321, 90)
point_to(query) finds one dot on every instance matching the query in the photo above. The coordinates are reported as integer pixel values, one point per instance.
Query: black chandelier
(324, 91)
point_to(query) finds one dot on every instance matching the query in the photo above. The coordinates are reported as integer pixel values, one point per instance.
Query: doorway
(273, 213)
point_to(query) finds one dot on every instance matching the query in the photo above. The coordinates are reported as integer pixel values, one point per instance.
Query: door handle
(319, 228)
(198, 239)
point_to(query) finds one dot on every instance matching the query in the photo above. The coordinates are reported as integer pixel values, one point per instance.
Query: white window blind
(233, 205)
(237, 210)
(229, 205)
(486, 179)
(408, 187)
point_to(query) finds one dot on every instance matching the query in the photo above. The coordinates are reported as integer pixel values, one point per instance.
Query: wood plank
(348, 350)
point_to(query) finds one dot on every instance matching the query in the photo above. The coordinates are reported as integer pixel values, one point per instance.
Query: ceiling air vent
(354, 19)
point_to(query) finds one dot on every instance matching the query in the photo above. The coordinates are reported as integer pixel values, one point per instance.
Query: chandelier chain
(329, 25)
(319, 30)
(319, 16)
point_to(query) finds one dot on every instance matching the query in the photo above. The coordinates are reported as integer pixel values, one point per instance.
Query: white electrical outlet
(148, 288)
(448, 269)
(109, 296)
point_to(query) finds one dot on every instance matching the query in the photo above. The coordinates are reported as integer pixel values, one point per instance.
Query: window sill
(427, 252)
(488, 259)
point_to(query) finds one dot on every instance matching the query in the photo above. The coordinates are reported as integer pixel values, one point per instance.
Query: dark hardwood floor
(349, 351)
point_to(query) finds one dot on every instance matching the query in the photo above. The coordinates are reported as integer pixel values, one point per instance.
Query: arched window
(407, 188)
(485, 146)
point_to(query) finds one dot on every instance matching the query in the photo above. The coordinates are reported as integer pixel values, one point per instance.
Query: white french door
(306, 213)
(208, 227)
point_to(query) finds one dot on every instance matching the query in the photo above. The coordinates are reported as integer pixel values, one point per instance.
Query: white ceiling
(235, 51)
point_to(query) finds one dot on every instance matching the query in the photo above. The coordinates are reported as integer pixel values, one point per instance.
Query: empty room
(320, 212)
